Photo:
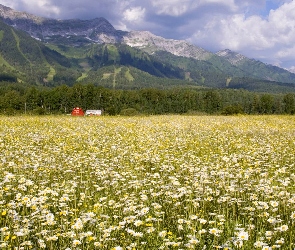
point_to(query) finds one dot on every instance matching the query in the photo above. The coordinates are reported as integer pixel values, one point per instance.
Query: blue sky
(260, 29)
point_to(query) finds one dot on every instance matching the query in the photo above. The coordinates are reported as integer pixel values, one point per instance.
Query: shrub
(232, 110)
(129, 112)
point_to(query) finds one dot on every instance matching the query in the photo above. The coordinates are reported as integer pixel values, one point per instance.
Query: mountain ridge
(49, 29)
(254, 67)
(97, 30)
(195, 63)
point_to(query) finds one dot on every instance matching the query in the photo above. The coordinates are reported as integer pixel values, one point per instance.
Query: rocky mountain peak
(149, 42)
(98, 30)
(9, 15)
(5, 8)
(233, 57)
(50, 30)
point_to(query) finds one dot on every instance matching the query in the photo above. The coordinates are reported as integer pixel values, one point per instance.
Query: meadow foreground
(162, 182)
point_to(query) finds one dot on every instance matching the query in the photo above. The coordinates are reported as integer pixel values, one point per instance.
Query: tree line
(16, 99)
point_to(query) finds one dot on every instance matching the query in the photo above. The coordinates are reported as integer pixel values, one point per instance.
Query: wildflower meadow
(158, 182)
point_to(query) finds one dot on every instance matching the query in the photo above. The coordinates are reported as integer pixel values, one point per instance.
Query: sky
(259, 29)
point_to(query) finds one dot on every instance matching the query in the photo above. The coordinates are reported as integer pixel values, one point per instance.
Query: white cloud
(44, 7)
(172, 7)
(134, 14)
(286, 53)
(178, 8)
(282, 23)
(292, 69)
(229, 3)
(9, 3)
(260, 37)
(238, 32)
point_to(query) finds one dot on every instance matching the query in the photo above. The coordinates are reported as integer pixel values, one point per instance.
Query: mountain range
(43, 51)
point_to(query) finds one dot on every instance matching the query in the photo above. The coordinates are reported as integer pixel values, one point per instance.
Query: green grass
(82, 77)
(1, 35)
(116, 72)
(51, 74)
(113, 53)
(5, 63)
(228, 80)
(128, 76)
(19, 49)
(71, 52)
(86, 67)
(106, 75)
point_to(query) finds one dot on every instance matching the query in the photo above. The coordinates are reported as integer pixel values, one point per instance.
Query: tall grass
(166, 182)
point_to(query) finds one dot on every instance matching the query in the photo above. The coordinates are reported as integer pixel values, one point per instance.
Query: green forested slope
(27, 60)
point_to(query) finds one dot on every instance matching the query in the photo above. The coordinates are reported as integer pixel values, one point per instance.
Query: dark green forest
(22, 99)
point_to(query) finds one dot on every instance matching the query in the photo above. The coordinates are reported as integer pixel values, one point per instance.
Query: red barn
(77, 112)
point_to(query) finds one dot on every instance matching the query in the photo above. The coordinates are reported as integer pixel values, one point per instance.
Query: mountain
(25, 59)
(256, 68)
(73, 32)
(151, 43)
(82, 32)
(95, 51)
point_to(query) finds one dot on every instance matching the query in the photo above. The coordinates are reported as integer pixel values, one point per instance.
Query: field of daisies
(159, 182)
